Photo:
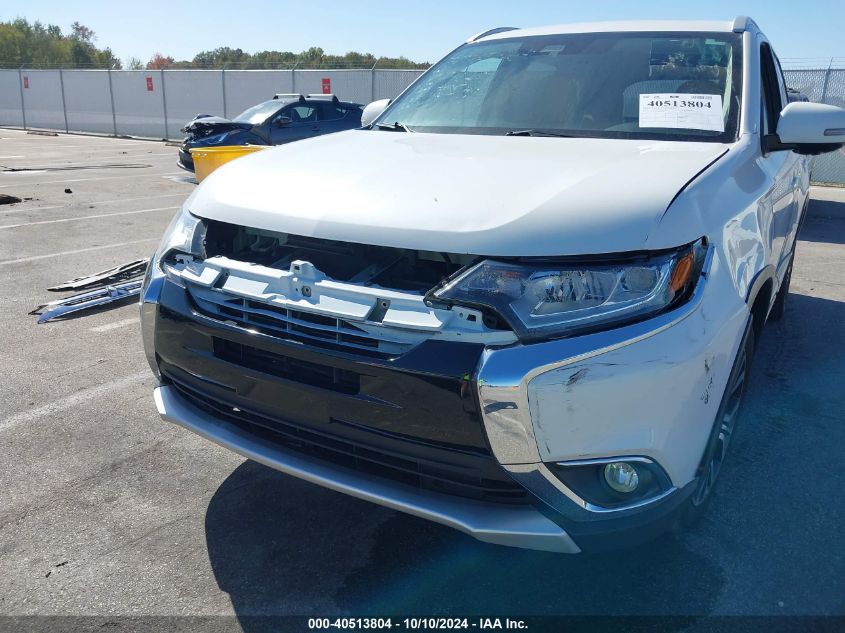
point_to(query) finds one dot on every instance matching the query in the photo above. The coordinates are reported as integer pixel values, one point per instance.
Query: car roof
(729, 26)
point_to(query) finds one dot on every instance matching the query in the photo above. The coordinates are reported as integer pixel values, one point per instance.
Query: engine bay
(399, 269)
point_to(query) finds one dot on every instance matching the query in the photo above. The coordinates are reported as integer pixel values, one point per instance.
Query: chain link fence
(822, 83)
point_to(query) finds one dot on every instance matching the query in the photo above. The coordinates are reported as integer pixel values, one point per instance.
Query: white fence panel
(139, 103)
(11, 114)
(144, 106)
(42, 97)
(348, 85)
(88, 101)
(389, 83)
(245, 88)
(189, 93)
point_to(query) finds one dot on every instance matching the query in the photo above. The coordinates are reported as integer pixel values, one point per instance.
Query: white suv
(522, 301)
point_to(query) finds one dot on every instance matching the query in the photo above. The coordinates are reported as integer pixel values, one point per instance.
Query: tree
(220, 57)
(106, 58)
(82, 33)
(33, 44)
(160, 62)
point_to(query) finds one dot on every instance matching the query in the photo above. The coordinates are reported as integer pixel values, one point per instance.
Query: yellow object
(207, 159)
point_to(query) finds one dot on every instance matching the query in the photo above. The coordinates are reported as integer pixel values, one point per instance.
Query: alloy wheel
(728, 418)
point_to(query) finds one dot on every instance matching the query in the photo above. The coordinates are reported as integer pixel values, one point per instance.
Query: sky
(421, 31)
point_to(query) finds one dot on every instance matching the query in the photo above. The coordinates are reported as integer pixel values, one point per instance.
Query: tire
(724, 430)
(779, 306)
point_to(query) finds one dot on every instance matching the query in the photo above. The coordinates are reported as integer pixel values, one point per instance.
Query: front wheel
(723, 431)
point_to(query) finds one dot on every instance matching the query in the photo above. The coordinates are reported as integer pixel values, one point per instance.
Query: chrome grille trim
(251, 312)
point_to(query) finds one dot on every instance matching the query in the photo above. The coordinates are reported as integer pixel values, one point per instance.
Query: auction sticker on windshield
(687, 111)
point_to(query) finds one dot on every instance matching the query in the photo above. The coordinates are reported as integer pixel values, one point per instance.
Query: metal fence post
(826, 80)
(23, 107)
(64, 103)
(373, 82)
(164, 105)
(223, 87)
(111, 98)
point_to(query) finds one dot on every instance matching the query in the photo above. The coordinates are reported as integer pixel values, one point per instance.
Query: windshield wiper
(394, 127)
(538, 133)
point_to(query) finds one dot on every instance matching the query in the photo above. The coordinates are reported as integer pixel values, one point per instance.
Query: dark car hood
(204, 124)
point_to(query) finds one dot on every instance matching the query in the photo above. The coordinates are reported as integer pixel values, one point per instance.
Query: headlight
(185, 234)
(558, 298)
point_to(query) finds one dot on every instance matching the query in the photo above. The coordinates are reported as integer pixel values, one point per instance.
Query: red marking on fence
(149, 84)
(327, 85)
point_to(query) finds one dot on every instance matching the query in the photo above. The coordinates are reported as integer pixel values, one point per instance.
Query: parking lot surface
(105, 509)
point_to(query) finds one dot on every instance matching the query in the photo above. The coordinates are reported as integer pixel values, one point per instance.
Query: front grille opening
(396, 268)
(315, 329)
(288, 368)
(467, 479)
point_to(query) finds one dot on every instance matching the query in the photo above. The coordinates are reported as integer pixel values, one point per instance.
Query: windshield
(257, 114)
(673, 86)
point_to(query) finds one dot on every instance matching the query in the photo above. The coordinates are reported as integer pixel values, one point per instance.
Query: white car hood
(484, 195)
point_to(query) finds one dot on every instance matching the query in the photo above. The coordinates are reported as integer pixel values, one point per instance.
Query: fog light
(621, 476)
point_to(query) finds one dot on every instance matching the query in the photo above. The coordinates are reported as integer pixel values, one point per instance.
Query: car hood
(484, 195)
(207, 123)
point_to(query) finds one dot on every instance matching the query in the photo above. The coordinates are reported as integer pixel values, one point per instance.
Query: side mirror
(283, 121)
(809, 128)
(372, 111)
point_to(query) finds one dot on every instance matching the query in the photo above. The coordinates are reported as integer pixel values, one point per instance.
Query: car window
(258, 114)
(784, 94)
(772, 95)
(331, 112)
(302, 113)
(674, 86)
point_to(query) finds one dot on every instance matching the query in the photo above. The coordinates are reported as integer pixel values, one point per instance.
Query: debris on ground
(112, 285)
(62, 564)
(87, 300)
(7, 199)
(71, 167)
(68, 190)
(122, 272)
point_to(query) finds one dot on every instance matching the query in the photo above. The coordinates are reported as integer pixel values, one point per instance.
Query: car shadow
(280, 546)
(264, 551)
(825, 222)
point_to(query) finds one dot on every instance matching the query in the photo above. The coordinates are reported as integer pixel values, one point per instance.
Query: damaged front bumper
(591, 397)
(519, 526)
(186, 161)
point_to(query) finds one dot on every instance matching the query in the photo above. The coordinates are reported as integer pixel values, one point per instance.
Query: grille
(316, 329)
(464, 475)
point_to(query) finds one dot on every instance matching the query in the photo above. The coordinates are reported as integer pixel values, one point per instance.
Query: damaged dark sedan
(282, 119)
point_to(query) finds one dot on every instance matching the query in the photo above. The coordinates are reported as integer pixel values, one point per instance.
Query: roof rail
(330, 97)
(743, 23)
(500, 29)
(292, 95)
